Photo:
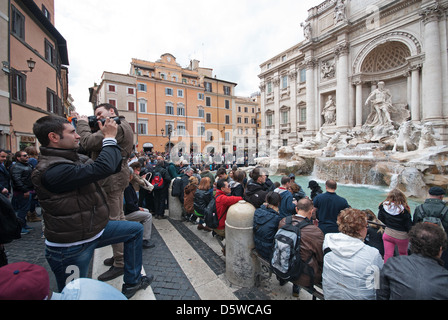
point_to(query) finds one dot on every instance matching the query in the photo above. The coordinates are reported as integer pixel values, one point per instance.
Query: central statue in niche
(381, 102)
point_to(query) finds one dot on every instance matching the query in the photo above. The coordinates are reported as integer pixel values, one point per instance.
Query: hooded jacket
(287, 207)
(395, 217)
(266, 222)
(350, 268)
(255, 194)
(201, 200)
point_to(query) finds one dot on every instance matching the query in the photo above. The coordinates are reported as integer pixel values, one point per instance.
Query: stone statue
(339, 11)
(306, 29)
(329, 112)
(381, 101)
(405, 139)
(427, 136)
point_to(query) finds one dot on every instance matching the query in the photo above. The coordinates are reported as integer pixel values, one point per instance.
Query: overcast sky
(232, 37)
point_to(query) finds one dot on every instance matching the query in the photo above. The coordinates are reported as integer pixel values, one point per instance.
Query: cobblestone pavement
(170, 279)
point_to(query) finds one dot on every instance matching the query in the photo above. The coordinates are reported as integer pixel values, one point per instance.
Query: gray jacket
(413, 277)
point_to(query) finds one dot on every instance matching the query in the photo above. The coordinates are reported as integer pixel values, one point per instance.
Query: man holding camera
(76, 213)
(115, 184)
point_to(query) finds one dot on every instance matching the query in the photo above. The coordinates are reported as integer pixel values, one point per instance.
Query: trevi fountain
(388, 150)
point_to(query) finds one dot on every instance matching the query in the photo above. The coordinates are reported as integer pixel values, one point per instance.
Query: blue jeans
(73, 262)
(21, 205)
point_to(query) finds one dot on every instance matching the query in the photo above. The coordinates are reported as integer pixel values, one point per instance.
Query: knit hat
(24, 281)
(437, 191)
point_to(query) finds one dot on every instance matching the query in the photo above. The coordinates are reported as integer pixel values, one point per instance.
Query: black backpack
(286, 261)
(10, 226)
(176, 189)
(210, 215)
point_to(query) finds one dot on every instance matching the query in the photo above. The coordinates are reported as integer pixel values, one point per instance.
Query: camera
(93, 121)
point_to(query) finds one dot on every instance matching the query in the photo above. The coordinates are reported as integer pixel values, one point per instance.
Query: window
(227, 90)
(201, 113)
(227, 119)
(181, 129)
(269, 121)
(111, 88)
(142, 87)
(227, 136)
(142, 106)
(131, 91)
(246, 120)
(180, 93)
(208, 87)
(143, 127)
(303, 115)
(18, 86)
(285, 117)
(46, 13)
(169, 108)
(132, 124)
(246, 109)
(49, 52)
(239, 120)
(113, 102)
(208, 101)
(284, 58)
(208, 118)
(52, 101)
(227, 103)
(284, 82)
(131, 106)
(302, 75)
(201, 129)
(200, 96)
(181, 110)
(169, 92)
(269, 87)
(17, 23)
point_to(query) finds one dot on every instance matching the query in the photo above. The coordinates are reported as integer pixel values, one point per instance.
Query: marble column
(415, 94)
(359, 104)
(293, 107)
(310, 96)
(342, 90)
(432, 71)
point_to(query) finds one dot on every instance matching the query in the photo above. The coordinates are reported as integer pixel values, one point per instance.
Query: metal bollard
(174, 205)
(240, 264)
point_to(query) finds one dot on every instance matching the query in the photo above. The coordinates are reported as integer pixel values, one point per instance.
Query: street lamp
(170, 131)
(31, 64)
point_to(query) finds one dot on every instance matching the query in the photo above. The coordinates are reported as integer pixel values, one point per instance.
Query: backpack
(286, 261)
(434, 219)
(157, 180)
(10, 226)
(210, 216)
(176, 189)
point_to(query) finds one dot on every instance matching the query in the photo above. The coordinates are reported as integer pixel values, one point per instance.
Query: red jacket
(223, 203)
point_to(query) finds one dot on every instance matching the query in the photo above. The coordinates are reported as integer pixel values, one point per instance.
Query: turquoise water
(358, 196)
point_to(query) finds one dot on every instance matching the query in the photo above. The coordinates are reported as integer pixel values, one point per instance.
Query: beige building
(245, 134)
(5, 128)
(36, 56)
(349, 47)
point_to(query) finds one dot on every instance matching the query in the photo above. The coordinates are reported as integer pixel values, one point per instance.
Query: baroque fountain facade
(362, 99)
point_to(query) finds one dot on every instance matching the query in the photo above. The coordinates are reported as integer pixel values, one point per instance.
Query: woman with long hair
(395, 213)
(202, 197)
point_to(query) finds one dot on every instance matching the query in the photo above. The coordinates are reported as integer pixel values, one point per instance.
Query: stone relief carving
(328, 69)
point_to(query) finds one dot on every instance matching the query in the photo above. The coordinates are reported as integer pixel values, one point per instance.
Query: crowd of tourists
(94, 191)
